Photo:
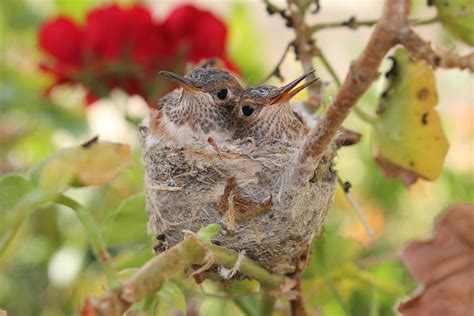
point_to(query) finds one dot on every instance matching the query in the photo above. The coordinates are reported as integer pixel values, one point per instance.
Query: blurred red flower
(202, 34)
(125, 48)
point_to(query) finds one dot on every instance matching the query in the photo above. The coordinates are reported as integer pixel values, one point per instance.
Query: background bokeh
(50, 269)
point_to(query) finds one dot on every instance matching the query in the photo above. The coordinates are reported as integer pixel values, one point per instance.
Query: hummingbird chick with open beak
(264, 113)
(200, 110)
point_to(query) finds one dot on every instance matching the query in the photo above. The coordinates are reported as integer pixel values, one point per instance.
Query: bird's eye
(247, 110)
(222, 94)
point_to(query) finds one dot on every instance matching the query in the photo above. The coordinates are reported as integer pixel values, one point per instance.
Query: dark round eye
(247, 110)
(222, 94)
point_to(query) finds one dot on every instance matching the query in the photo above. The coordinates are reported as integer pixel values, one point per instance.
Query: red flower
(61, 38)
(114, 33)
(125, 48)
(202, 33)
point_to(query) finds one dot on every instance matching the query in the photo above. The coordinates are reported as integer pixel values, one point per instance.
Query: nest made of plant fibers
(265, 206)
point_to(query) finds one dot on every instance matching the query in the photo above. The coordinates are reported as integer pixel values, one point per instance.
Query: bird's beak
(186, 83)
(287, 92)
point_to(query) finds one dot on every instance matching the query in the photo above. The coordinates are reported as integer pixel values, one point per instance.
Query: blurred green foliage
(49, 268)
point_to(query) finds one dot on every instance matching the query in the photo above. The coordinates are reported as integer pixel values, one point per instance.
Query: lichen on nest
(263, 202)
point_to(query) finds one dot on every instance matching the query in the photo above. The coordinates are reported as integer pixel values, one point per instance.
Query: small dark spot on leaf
(422, 94)
(411, 163)
(424, 118)
(90, 142)
(347, 186)
(384, 94)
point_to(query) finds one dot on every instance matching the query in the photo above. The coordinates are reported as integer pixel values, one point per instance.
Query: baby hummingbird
(199, 110)
(264, 113)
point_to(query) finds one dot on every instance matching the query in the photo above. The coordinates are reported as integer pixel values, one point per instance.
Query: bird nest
(254, 193)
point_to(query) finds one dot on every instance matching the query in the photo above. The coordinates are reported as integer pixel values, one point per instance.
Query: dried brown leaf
(444, 265)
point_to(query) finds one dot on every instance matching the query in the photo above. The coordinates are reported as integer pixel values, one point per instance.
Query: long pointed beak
(186, 83)
(287, 92)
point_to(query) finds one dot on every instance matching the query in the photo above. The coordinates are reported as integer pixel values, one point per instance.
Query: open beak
(287, 92)
(186, 83)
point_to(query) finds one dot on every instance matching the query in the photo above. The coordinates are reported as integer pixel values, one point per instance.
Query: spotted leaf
(408, 137)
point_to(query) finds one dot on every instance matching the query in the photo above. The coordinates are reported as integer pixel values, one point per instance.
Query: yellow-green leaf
(458, 17)
(171, 299)
(93, 164)
(408, 133)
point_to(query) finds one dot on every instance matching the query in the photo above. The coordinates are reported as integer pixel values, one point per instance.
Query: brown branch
(305, 50)
(362, 73)
(419, 49)
(297, 304)
(392, 28)
(353, 24)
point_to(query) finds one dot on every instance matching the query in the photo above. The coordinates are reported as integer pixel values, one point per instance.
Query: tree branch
(362, 73)
(419, 49)
(150, 277)
(304, 49)
(354, 24)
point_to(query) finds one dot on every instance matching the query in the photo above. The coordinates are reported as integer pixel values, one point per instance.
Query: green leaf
(244, 44)
(87, 165)
(408, 138)
(458, 17)
(13, 187)
(127, 224)
(243, 290)
(171, 299)
(332, 251)
(206, 234)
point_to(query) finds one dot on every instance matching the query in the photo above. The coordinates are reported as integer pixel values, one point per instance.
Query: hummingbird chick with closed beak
(200, 109)
(264, 113)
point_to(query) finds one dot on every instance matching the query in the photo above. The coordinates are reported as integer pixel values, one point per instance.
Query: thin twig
(276, 70)
(99, 248)
(361, 75)
(358, 210)
(419, 49)
(304, 49)
(353, 23)
(361, 114)
(330, 69)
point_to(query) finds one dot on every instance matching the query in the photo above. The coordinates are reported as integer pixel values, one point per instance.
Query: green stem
(151, 276)
(99, 248)
(374, 303)
(330, 69)
(267, 304)
(20, 213)
(354, 24)
(227, 258)
(332, 287)
(426, 21)
(361, 114)
(364, 116)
